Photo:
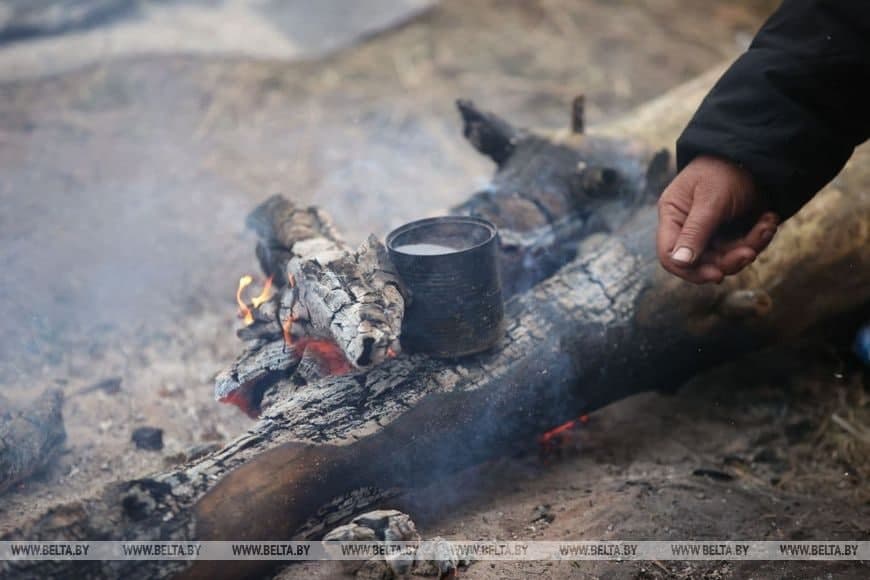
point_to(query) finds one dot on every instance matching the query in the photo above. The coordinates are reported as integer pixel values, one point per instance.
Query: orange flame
(244, 312)
(264, 295)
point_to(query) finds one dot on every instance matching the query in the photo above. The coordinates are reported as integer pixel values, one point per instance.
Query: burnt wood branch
(351, 300)
(354, 296)
(578, 114)
(489, 133)
(279, 225)
(551, 191)
(30, 436)
(607, 324)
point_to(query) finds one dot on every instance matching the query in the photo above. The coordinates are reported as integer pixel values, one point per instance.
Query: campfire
(346, 417)
(326, 309)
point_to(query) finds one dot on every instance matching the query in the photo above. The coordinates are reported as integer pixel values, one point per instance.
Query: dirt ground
(124, 192)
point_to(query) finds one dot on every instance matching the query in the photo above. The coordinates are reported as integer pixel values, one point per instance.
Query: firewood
(608, 324)
(30, 436)
(279, 225)
(353, 297)
(253, 373)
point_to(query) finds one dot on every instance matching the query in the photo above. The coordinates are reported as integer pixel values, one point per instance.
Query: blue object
(862, 344)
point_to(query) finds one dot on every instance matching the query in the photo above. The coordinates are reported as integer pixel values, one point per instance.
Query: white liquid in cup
(425, 249)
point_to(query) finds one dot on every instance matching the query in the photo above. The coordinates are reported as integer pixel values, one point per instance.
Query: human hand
(711, 222)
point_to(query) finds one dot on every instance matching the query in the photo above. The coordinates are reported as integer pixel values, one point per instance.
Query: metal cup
(450, 265)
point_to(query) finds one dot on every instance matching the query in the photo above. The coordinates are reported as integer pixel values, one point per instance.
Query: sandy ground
(124, 191)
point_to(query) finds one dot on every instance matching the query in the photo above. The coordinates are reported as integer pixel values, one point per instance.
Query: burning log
(346, 305)
(351, 297)
(30, 437)
(607, 324)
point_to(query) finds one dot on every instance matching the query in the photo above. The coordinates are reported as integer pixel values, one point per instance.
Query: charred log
(355, 296)
(279, 225)
(30, 437)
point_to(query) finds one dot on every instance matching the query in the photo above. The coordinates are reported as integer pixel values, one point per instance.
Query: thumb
(703, 220)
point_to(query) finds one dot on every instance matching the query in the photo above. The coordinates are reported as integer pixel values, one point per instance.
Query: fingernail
(683, 255)
(766, 235)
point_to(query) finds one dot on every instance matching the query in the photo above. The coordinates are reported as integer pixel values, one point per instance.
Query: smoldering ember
(213, 335)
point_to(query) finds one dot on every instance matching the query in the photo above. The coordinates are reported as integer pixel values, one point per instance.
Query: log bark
(608, 324)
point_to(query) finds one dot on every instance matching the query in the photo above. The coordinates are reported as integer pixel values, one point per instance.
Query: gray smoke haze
(108, 231)
(125, 187)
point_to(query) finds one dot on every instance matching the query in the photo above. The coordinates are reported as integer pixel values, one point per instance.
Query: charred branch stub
(489, 133)
(549, 193)
(253, 373)
(578, 114)
(658, 174)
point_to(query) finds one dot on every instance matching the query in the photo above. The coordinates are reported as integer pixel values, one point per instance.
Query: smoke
(110, 226)
(126, 187)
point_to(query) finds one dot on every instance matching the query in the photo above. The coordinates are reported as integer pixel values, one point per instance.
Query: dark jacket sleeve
(794, 106)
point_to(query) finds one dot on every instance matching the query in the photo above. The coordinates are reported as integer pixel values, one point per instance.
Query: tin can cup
(450, 265)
